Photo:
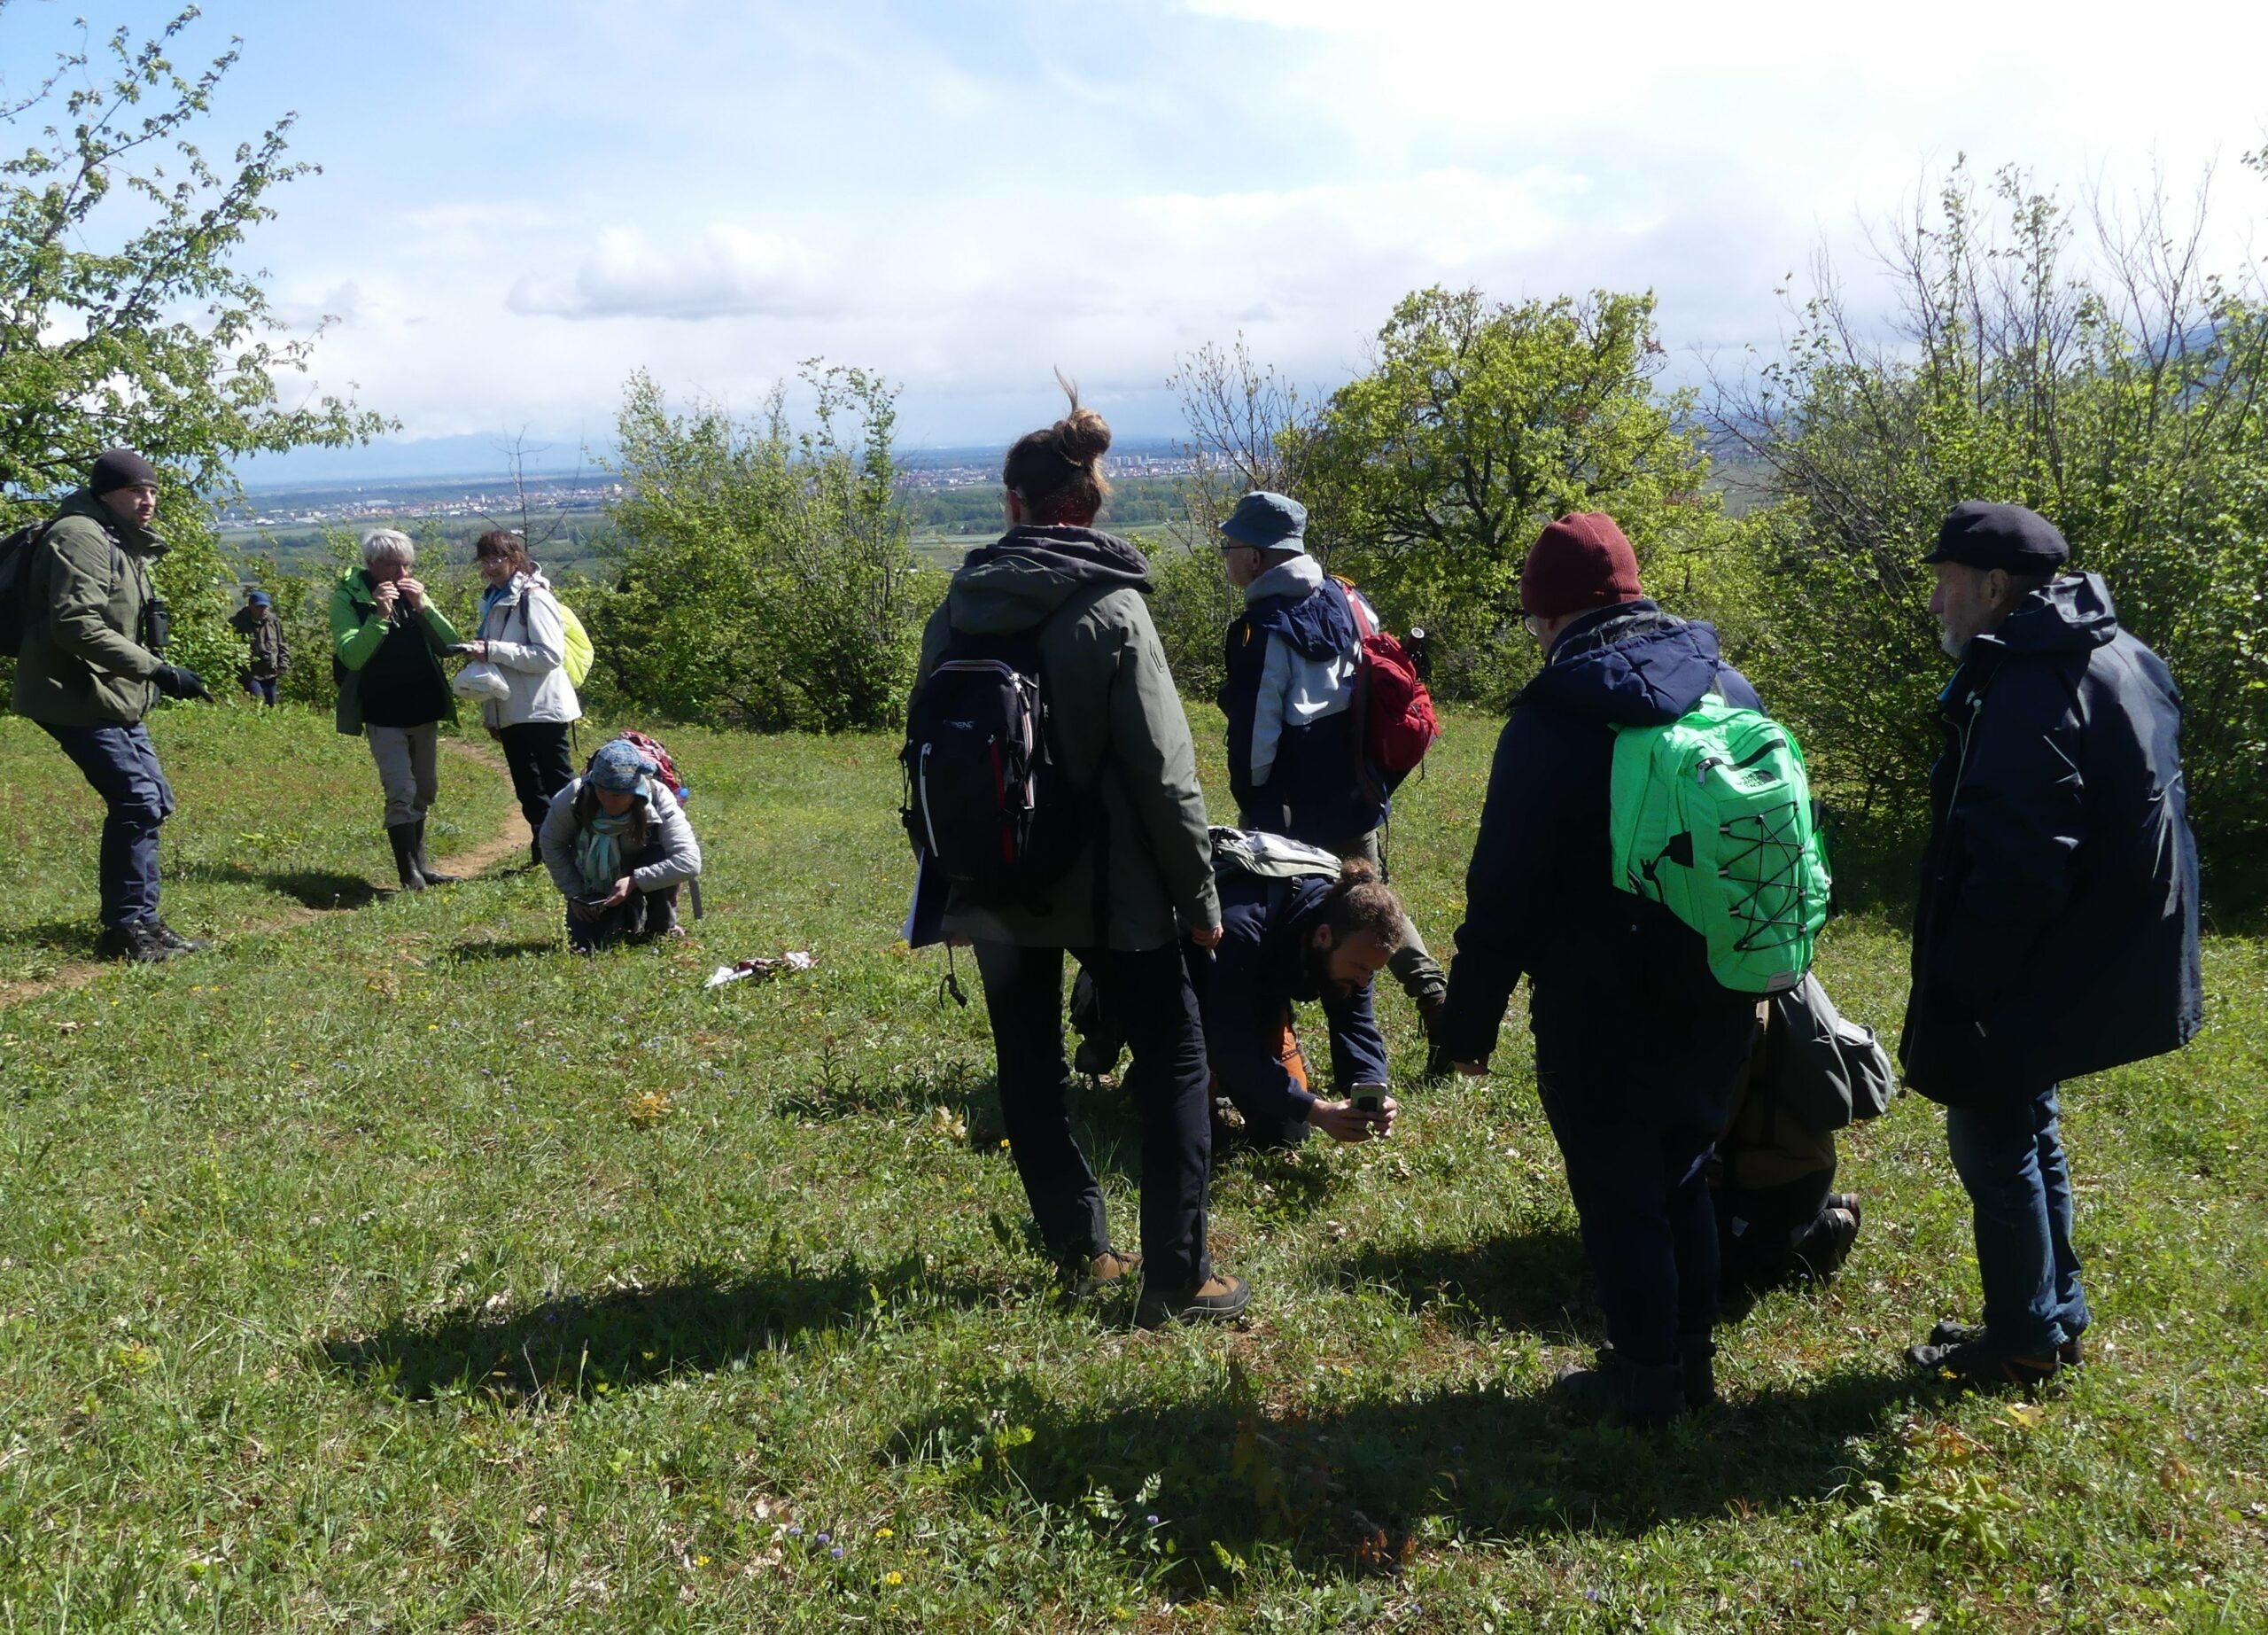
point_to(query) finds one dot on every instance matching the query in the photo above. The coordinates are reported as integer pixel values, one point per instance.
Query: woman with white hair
(387, 641)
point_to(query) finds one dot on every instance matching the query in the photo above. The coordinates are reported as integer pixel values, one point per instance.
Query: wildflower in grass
(836, 1552)
(648, 1108)
(885, 1532)
(827, 1539)
(893, 1577)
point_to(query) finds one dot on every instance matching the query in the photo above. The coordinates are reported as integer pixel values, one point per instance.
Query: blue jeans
(122, 767)
(261, 687)
(2010, 1155)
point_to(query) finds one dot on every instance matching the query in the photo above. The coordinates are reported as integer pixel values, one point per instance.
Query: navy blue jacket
(2056, 932)
(1261, 967)
(1316, 791)
(1628, 1023)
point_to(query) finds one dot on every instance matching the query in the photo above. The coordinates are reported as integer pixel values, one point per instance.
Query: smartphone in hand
(1369, 1099)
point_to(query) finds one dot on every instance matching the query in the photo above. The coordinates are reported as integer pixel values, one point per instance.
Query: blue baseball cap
(620, 766)
(1268, 521)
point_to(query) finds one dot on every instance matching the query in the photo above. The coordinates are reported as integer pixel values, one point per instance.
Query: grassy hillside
(387, 1268)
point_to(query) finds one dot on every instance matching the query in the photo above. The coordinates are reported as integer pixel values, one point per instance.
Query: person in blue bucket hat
(267, 657)
(617, 846)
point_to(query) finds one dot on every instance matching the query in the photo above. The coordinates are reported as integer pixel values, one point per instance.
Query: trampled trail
(508, 841)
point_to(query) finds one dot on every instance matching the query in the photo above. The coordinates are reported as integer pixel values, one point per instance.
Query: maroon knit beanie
(1579, 563)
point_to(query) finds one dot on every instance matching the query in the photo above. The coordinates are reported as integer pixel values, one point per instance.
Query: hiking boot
(138, 945)
(1980, 1363)
(433, 877)
(1221, 1299)
(403, 839)
(1643, 1396)
(1099, 1272)
(1827, 1244)
(175, 940)
(535, 854)
(1441, 1066)
(1952, 1332)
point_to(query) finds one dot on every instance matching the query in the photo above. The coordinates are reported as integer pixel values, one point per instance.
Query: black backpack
(985, 800)
(15, 580)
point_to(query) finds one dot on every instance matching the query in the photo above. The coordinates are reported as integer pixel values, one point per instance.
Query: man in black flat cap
(2056, 932)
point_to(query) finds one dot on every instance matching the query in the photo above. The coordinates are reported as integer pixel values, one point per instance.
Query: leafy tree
(765, 577)
(1428, 476)
(124, 315)
(2124, 401)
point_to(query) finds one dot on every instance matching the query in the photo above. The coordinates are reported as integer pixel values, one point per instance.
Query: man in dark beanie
(91, 666)
(1638, 1049)
(2056, 932)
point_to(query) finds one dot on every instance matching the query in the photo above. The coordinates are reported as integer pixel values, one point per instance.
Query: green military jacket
(82, 663)
(356, 631)
(1116, 722)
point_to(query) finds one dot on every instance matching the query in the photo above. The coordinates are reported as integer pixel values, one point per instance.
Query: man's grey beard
(1954, 646)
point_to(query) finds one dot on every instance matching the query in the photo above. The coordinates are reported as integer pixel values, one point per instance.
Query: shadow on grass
(311, 888)
(1535, 1282)
(580, 1346)
(497, 948)
(1342, 1484)
(75, 938)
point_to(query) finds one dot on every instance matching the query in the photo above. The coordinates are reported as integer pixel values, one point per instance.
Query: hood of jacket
(129, 535)
(1290, 602)
(2066, 615)
(1015, 583)
(1632, 665)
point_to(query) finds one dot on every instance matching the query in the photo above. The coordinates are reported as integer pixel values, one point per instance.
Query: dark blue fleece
(1315, 791)
(1621, 1000)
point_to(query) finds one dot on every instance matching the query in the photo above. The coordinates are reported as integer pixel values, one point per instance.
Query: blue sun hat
(620, 766)
(1268, 521)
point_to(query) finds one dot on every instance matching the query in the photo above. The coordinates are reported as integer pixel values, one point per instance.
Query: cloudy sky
(522, 202)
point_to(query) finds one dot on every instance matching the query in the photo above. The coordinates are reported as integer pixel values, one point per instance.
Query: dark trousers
(261, 687)
(537, 753)
(1149, 994)
(2010, 1156)
(122, 766)
(1761, 1230)
(641, 915)
(1641, 1195)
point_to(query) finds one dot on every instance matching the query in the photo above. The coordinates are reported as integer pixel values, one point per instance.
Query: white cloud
(726, 271)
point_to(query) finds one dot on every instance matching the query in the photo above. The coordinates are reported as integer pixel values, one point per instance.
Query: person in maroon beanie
(1637, 1049)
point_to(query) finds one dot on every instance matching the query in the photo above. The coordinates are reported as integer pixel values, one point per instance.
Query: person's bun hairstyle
(1361, 901)
(1053, 471)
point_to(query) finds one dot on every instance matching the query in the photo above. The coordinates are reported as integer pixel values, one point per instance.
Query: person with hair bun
(1139, 883)
(1323, 932)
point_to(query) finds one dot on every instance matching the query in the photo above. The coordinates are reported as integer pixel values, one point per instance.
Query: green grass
(396, 1271)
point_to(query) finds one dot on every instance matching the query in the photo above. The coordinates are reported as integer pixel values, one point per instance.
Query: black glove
(176, 682)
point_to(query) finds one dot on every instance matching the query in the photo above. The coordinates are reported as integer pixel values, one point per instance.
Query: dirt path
(509, 841)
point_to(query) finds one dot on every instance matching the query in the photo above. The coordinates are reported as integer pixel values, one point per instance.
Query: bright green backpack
(1711, 818)
(580, 650)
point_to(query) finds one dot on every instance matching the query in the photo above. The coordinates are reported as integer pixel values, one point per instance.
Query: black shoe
(1950, 1331)
(175, 940)
(1222, 1299)
(1827, 1244)
(433, 877)
(1645, 1397)
(138, 945)
(535, 854)
(1441, 1066)
(1982, 1364)
(403, 839)
(1697, 1356)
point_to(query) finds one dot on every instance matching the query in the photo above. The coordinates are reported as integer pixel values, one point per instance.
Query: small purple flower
(836, 1552)
(1590, 1595)
(1151, 1519)
(795, 1532)
(827, 1539)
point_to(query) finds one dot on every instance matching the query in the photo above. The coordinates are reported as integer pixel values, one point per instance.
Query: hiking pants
(1148, 995)
(261, 689)
(121, 765)
(1641, 1196)
(2010, 1155)
(641, 915)
(1413, 964)
(408, 762)
(537, 753)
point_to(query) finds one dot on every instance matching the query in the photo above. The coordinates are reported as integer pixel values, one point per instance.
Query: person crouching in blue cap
(1294, 750)
(619, 847)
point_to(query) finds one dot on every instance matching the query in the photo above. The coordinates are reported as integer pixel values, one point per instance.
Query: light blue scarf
(598, 849)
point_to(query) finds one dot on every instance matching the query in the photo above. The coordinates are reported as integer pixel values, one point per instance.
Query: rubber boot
(433, 877)
(404, 836)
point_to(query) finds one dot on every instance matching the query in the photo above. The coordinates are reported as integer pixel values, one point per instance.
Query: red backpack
(660, 757)
(1394, 711)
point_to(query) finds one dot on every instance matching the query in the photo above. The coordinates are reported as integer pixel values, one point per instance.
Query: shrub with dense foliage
(765, 577)
(2121, 398)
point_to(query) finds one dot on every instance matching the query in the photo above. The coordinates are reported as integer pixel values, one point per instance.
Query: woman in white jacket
(523, 634)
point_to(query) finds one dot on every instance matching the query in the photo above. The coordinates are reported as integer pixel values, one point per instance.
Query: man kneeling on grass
(618, 846)
(1297, 925)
